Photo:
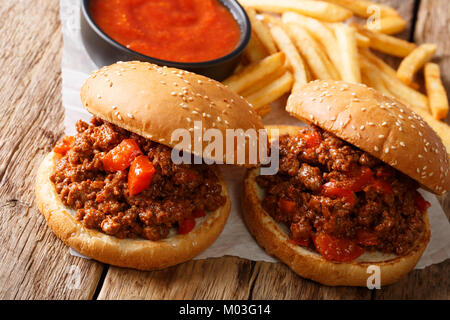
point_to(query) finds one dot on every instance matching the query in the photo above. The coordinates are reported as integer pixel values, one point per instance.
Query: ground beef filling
(102, 200)
(327, 186)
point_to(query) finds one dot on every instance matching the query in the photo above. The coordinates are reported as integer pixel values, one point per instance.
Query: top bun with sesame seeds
(154, 101)
(377, 124)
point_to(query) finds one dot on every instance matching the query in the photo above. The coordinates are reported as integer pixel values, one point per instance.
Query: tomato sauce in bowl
(171, 30)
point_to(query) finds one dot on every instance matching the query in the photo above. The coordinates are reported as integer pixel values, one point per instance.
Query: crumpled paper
(235, 239)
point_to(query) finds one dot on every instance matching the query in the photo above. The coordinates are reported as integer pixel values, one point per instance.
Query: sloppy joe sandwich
(346, 194)
(112, 191)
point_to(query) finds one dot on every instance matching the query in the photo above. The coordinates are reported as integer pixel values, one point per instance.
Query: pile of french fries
(296, 41)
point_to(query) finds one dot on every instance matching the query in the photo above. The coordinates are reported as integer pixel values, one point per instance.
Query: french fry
(347, 46)
(386, 43)
(272, 91)
(383, 66)
(264, 110)
(364, 8)
(371, 78)
(261, 31)
(316, 9)
(437, 96)
(253, 73)
(387, 25)
(397, 88)
(265, 81)
(414, 85)
(362, 40)
(414, 61)
(272, 20)
(255, 51)
(285, 44)
(321, 33)
(310, 50)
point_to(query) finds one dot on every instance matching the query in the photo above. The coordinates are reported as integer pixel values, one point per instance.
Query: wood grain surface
(34, 264)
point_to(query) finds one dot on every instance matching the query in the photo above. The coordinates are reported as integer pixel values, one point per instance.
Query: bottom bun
(273, 237)
(139, 254)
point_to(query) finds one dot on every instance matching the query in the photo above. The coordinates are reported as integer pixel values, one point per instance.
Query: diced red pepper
(140, 175)
(383, 172)
(121, 156)
(313, 140)
(192, 175)
(336, 249)
(186, 226)
(366, 237)
(362, 179)
(300, 242)
(383, 185)
(287, 206)
(198, 213)
(330, 189)
(64, 145)
(420, 202)
(100, 197)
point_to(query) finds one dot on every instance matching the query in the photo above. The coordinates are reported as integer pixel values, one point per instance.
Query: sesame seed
(384, 124)
(402, 144)
(381, 136)
(362, 127)
(376, 148)
(130, 116)
(119, 117)
(173, 93)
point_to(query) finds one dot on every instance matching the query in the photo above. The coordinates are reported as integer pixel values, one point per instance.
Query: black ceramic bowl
(104, 51)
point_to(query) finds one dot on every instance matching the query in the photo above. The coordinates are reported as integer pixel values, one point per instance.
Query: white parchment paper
(235, 239)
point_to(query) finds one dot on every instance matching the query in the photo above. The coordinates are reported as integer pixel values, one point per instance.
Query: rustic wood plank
(216, 278)
(430, 283)
(34, 263)
(276, 281)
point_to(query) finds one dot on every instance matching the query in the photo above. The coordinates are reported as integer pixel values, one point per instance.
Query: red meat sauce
(340, 200)
(127, 186)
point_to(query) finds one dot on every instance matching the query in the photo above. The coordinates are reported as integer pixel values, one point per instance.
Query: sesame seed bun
(139, 254)
(274, 238)
(377, 124)
(155, 101)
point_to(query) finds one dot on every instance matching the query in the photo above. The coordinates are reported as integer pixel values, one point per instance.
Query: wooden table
(35, 264)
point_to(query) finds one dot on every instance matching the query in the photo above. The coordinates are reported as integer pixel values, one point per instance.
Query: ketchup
(173, 30)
